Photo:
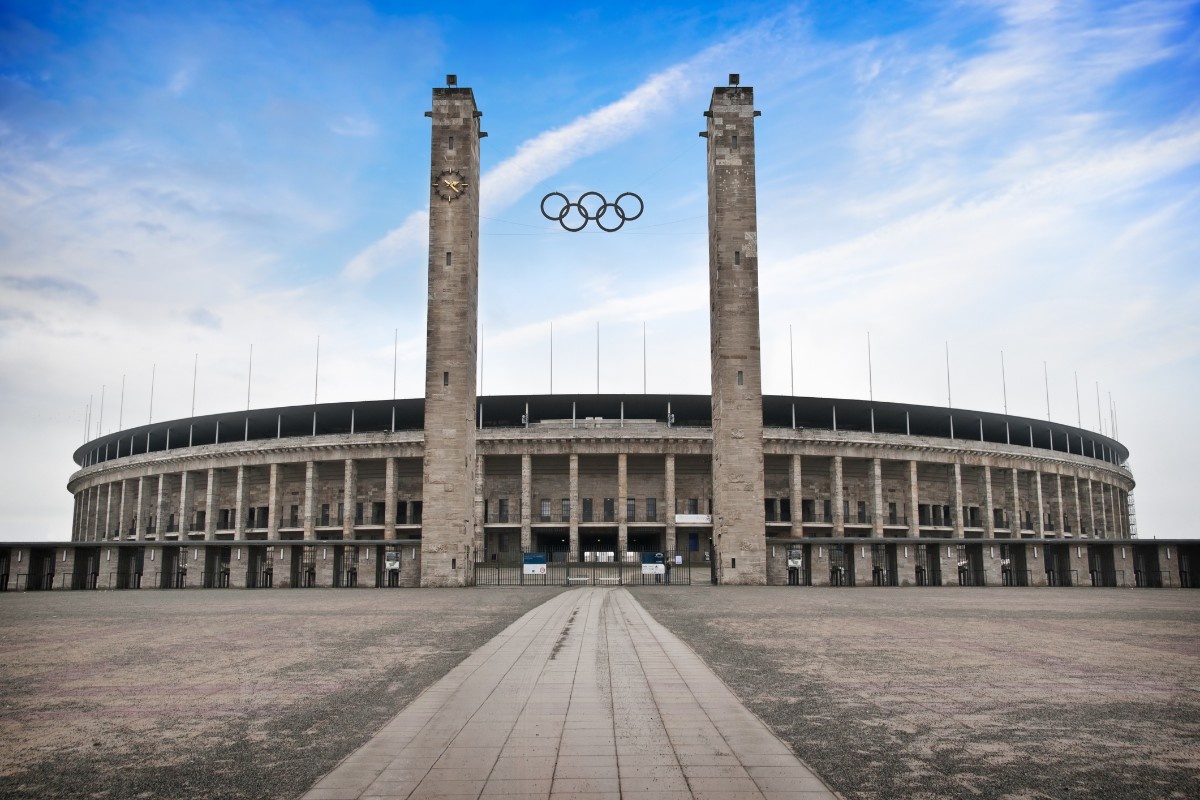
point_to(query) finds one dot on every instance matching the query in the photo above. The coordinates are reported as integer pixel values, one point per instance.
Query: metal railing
(625, 572)
(124, 579)
(1062, 577)
(1016, 577)
(1108, 579)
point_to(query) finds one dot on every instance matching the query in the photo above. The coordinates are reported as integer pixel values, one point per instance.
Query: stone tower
(448, 524)
(739, 523)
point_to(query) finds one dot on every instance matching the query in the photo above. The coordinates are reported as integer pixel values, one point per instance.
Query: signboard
(653, 564)
(533, 563)
(795, 559)
(392, 559)
(693, 519)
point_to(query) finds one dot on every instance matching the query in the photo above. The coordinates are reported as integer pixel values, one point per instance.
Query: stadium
(458, 489)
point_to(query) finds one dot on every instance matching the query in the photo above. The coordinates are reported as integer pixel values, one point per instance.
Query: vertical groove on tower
(448, 521)
(739, 525)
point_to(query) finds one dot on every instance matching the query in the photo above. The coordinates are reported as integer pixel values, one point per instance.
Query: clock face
(450, 185)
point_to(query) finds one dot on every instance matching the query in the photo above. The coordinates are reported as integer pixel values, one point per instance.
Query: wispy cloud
(355, 127)
(51, 286)
(408, 240)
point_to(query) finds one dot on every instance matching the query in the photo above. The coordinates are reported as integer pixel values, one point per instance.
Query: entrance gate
(841, 565)
(929, 565)
(884, 568)
(647, 570)
(799, 566)
(304, 567)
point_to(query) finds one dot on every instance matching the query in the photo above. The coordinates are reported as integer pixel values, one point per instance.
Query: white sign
(654, 569)
(535, 569)
(693, 519)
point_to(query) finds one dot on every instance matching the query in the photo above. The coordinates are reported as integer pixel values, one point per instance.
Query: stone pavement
(586, 697)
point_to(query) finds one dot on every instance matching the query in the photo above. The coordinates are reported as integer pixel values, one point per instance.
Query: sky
(182, 183)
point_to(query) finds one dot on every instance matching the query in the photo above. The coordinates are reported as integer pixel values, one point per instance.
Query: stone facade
(737, 452)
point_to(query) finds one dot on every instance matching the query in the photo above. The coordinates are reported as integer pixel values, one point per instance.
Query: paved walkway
(585, 697)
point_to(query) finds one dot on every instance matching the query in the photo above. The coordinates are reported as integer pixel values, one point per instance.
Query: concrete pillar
(1015, 523)
(957, 508)
(876, 498)
(108, 510)
(141, 510)
(1077, 527)
(526, 503)
(671, 542)
(211, 498)
(448, 466)
(1091, 500)
(310, 500)
(1060, 517)
(1039, 527)
(914, 500)
(239, 504)
(123, 511)
(349, 498)
(1104, 532)
(622, 516)
(989, 516)
(274, 501)
(835, 481)
(1077, 558)
(160, 508)
(573, 499)
(186, 485)
(795, 494)
(477, 547)
(739, 519)
(93, 511)
(389, 500)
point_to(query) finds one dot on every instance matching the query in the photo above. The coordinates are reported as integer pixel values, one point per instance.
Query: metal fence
(591, 573)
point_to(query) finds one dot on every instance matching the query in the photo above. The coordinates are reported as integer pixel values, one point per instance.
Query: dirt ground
(218, 693)
(963, 693)
(888, 693)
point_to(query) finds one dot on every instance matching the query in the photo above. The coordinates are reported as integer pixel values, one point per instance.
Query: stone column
(160, 508)
(739, 519)
(478, 548)
(349, 498)
(957, 508)
(526, 502)
(795, 493)
(914, 500)
(108, 510)
(389, 500)
(573, 499)
(274, 501)
(448, 464)
(239, 504)
(141, 510)
(1061, 518)
(1014, 525)
(122, 516)
(1078, 526)
(876, 498)
(211, 497)
(835, 482)
(1039, 527)
(1091, 511)
(622, 516)
(672, 542)
(310, 500)
(989, 516)
(186, 485)
(1103, 511)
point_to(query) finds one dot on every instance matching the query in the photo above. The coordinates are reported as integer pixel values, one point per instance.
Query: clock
(450, 185)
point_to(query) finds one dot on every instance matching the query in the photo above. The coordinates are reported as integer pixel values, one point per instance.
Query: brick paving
(584, 697)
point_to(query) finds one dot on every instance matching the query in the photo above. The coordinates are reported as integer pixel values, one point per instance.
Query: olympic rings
(579, 212)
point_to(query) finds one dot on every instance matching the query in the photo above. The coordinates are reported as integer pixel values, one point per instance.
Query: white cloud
(410, 239)
(355, 127)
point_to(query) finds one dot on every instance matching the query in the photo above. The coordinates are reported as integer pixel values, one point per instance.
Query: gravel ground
(964, 693)
(231, 694)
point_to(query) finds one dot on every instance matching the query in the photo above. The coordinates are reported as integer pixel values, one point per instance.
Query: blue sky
(184, 180)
